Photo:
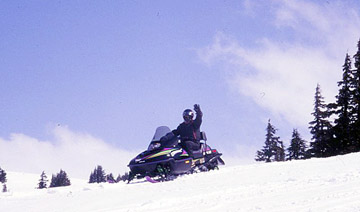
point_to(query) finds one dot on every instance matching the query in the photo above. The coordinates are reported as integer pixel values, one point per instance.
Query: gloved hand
(197, 108)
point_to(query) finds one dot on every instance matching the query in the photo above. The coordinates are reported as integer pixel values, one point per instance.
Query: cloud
(240, 154)
(76, 153)
(281, 74)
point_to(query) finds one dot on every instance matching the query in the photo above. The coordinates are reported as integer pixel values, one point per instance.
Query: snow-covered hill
(330, 184)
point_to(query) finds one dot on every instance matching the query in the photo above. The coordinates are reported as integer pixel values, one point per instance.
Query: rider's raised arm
(199, 114)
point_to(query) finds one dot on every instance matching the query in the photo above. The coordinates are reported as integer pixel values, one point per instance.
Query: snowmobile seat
(198, 153)
(192, 148)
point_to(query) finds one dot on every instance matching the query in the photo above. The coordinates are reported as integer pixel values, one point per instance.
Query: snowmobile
(164, 161)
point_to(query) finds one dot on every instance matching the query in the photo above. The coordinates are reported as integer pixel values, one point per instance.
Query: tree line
(96, 176)
(99, 176)
(61, 179)
(336, 126)
(274, 149)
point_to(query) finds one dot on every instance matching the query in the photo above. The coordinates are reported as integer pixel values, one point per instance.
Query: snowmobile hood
(166, 152)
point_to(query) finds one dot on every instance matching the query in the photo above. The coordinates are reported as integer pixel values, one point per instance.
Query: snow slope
(329, 184)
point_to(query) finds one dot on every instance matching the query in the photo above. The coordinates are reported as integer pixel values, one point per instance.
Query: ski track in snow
(328, 184)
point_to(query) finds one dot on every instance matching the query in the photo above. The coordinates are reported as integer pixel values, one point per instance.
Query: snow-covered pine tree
(320, 127)
(273, 150)
(297, 148)
(43, 181)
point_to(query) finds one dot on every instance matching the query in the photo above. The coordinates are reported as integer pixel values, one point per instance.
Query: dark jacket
(189, 131)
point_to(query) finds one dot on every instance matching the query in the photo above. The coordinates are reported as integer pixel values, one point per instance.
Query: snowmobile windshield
(160, 132)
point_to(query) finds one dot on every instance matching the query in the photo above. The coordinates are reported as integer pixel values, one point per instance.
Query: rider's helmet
(188, 115)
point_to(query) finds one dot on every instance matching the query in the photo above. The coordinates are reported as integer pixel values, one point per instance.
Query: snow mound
(327, 184)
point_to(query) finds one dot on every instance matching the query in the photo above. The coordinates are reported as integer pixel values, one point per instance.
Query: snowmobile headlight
(154, 146)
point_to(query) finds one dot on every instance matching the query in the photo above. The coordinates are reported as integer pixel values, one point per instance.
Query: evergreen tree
(110, 178)
(280, 151)
(260, 156)
(297, 148)
(4, 188)
(342, 130)
(92, 178)
(2, 176)
(355, 86)
(320, 127)
(53, 182)
(125, 177)
(118, 179)
(60, 179)
(273, 149)
(98, 175)
(3, 179)
(43, 181)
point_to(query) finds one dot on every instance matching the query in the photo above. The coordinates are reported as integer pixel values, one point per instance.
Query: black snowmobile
(164, 161)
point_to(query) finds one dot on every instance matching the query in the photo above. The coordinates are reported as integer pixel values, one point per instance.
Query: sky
(85, 78)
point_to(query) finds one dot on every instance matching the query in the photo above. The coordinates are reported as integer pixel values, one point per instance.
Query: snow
(327, 184)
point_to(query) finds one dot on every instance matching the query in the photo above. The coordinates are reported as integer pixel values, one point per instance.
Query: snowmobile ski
(149, 179)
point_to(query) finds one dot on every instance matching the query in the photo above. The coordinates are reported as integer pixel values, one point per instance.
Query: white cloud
(282, 75)
(240, 154)
(76, 153)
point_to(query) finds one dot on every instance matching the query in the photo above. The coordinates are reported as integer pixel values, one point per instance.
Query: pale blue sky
(118, 69)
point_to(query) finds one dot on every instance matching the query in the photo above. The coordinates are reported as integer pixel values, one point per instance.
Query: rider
(189, 130)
